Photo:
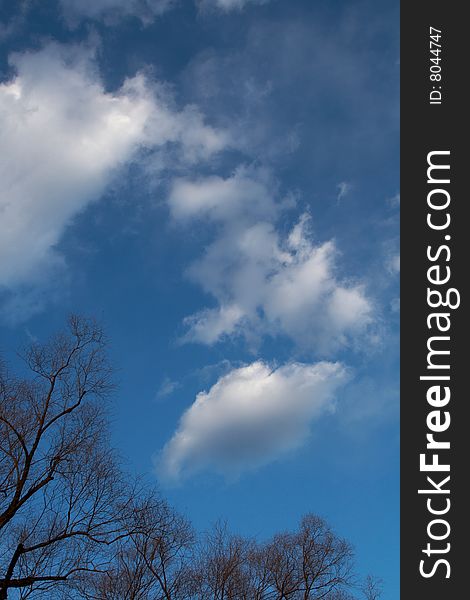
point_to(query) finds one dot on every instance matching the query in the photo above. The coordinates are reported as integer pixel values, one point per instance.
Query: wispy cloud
(394, 201)
(112, 10)
(228, 5)
(167, 388)
(393, 264)
(344, 187)
(250, 417)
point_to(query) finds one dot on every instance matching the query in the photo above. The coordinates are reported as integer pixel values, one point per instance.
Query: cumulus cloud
(63, 137)
(265, 282)
(250, 417)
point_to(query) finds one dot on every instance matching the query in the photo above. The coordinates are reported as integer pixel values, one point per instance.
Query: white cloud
(167, 388)
(250, 417)
(110, 10)
(63, 138)
(265, 282)
(229, 5)
(246, 195)
(343, 190)
(393, 264)
(394, 201)
(145, 10)
(395, 305)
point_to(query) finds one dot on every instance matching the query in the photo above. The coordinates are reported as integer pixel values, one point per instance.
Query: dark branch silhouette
(73, 525)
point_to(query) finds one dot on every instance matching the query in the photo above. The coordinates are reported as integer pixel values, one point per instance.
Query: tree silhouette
(73, 525)
(62, 498)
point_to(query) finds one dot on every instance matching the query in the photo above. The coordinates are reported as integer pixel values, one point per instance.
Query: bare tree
(310, 564)
(61, 494)
(152, 561)
(257, 574)
(218, 570)
(283, 564)
(326, 559)
(125, 578)
(164, 540)
(72, 526)
(372, 588)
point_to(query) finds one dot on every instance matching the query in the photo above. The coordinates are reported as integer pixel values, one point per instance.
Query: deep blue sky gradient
(331, 68)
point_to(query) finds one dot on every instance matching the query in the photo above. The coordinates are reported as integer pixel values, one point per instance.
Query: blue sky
(217, 182)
